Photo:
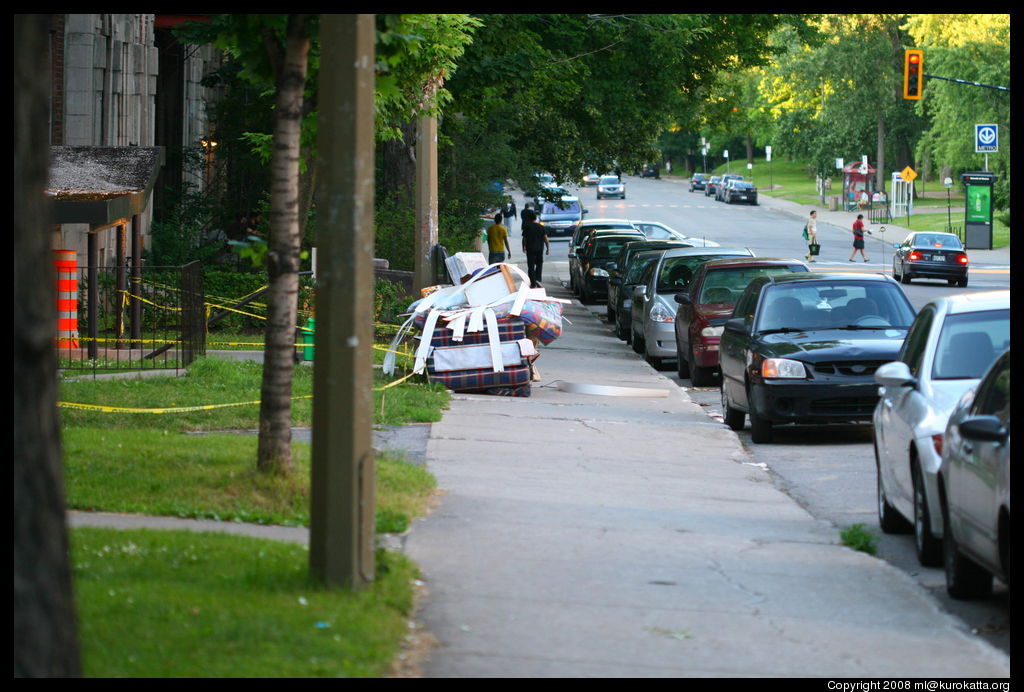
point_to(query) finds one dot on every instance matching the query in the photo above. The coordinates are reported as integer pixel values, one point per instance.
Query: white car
(611, 186)
(952, 342)
(656, 230)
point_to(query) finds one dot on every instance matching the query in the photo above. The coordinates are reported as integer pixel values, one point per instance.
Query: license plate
(938, 258)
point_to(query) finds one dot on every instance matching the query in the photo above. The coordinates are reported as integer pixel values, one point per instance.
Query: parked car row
(791, 346)
(729, 188)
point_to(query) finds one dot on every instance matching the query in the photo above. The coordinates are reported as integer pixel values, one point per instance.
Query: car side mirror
(895, 374)
(896, 245)
(737, 325)
(639, 291)
(983, 429)
(612, 267)
(683, 299)
(572, 254)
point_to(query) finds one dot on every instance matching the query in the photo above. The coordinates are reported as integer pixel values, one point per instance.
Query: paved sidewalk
(608, 536)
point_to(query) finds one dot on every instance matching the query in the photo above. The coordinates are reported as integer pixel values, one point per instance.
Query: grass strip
(162, 604)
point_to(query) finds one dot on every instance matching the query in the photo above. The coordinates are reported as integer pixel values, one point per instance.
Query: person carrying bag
(811, 236)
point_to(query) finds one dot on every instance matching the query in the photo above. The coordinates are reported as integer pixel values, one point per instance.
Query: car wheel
(700, 376)
(655, 363)
(963, 282)
(609, 314)
(889, 520)
(637, 342)
(905, 276)
(682, 364)
(929, 548)
(734, 418)
(964, 578)
(623, 332)
(760, 429)
(896, 276)
(585, 296)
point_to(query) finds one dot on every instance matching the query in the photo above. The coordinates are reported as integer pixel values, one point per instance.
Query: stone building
(123, 80)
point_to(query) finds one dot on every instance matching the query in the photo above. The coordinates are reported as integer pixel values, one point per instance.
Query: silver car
(653, 310)
(974, 484)
(953, 340)
(611, 186)
(656, 230)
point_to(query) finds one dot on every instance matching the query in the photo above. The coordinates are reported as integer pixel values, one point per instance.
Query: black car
(620, 290)
(698, 182)
(930, 255)
(740, 191)
(712, 185)
(727, 180)
(803, 348)
(592, 260)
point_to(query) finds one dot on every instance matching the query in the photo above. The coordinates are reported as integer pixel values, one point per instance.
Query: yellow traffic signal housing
(913, 73)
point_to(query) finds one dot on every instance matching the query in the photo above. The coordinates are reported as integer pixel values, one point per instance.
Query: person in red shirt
(858, 238)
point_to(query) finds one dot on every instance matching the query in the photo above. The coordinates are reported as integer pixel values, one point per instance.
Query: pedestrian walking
(535, 243)
(811, 236)
(509, 212)
(497, 241)
(858, 238)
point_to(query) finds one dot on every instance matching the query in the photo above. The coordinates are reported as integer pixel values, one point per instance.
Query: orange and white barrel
(65, 263)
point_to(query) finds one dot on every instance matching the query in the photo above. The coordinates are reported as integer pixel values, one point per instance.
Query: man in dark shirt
(535, 242)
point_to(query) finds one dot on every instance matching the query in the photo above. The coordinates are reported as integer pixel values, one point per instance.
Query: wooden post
(426, 201)
(342, 508)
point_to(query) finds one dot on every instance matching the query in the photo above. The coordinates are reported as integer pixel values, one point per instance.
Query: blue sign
(986, 139)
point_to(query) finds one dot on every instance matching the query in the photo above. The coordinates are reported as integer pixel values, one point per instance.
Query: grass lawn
(183, 604)
(161, 604)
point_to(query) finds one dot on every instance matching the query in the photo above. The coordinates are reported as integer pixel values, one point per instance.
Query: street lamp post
(948, 182)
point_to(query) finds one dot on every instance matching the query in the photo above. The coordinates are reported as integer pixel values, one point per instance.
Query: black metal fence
(119, 321)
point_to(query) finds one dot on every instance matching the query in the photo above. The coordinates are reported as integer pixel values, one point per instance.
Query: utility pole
(426, 197)
(342, 505)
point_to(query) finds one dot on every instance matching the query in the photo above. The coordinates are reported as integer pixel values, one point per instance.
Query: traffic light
(913, 73)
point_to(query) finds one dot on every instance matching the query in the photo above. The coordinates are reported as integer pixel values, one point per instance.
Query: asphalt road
(827, 469)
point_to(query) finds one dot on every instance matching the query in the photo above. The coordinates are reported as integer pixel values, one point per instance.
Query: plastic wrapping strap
(494, 338)
(424, 348)
(476, 319)
(458, 327)
(389, 357)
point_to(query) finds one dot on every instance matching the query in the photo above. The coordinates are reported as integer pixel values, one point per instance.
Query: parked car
(611, 186)
(712, 185)
(931, 255)
(726, 180)
(803, 348)
(561, 216)
(653, 309)
(576, 247)
(580, 231)
(974, 487)
(740, 191)
(656, 230)
(709, 302)
(698, 182)
(950, 345)
(622, 277)
(598, 251)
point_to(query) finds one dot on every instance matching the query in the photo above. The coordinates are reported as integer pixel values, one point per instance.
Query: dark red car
(709, 302)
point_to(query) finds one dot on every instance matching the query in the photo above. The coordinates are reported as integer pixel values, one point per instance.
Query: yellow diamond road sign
(908, 174)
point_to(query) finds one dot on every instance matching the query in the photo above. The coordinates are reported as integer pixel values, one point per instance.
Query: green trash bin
(307, 339)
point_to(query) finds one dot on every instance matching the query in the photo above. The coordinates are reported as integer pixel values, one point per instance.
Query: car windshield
(726, 285)
(636, 268)
(607, 248)
(676, 272)
(609, 180)
(561, 207)
(807, 306)
(969, 343)
(937, 240)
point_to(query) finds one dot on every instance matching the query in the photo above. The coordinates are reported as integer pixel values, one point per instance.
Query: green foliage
(186, 230)
(859, 538)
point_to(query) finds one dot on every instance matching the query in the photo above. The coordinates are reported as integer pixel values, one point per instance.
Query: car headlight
(660, 314)
(783, 368)
(597, 271)
(712, 331)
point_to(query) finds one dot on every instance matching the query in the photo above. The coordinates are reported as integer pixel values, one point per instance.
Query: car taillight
(937, 443)
(914, 256)
(961, 258)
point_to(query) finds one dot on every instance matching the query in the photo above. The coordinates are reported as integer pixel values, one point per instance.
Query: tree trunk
(45, 633)
(880, 158)
(275, 436)
(398, 166)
